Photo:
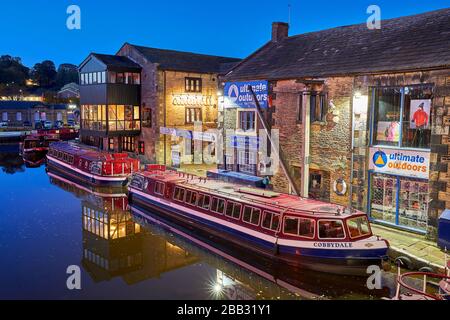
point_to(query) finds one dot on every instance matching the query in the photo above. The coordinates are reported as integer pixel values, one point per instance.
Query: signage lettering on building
(191, 100)
(238, 95)
(400, 162)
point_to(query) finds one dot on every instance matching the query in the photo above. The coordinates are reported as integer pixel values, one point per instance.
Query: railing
(423, 292)
(255, 201)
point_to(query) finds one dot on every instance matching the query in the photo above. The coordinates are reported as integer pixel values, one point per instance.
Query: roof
(408, 43)
(113, 61)
(185, 61)
(258, 197)
(25, 105)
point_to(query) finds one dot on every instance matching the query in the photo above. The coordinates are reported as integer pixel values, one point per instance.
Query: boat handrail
(401, 283)
(256, 201)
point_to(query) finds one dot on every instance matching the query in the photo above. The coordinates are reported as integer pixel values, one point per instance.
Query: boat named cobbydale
(90, 165)
(293, 230)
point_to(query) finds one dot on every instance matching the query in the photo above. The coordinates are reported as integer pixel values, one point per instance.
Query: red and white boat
(35, 147)
(90, 165)
(293, 230)
(64, 134)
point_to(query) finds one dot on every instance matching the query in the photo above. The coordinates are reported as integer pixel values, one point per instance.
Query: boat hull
(83, 177)
(339, 261)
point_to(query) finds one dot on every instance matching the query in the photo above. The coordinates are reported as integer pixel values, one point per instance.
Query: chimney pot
(280, 30)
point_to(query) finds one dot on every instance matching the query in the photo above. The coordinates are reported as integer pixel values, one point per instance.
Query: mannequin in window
(420, 118)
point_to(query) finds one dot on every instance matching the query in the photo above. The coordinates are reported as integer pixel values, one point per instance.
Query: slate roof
(408, 43)
(116, 61)
(185, 61)
(26, 105)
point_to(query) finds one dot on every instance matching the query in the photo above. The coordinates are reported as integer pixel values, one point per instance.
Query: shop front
(399, 156)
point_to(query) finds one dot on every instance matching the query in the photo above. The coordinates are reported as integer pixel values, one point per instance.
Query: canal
(48, 223)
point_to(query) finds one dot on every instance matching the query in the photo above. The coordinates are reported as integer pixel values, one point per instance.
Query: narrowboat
(35, 147)
(88, 165)
(289, 229)
(63, 134)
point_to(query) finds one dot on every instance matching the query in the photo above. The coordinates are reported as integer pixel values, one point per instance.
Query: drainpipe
(165, 118)
(306, 144)
(278, 150)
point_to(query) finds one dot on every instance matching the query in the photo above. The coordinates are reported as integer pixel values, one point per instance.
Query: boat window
(302, 227)
(331, 229)
(271, 220)
(233, 210)
(159, 188)
(218, 205)
(191, 197)
(251, 215)
(358, 227)
(178, 194)
(204, 201)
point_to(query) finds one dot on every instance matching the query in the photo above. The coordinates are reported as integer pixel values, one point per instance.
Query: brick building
(363, 115)
(172, 91)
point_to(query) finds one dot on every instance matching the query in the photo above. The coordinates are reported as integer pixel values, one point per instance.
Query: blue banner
(237, 94)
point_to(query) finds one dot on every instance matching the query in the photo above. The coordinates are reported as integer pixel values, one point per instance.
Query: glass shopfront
(399, 200)
(399, 155)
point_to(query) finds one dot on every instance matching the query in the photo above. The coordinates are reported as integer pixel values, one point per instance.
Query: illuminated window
(193, 84)
(193, 114)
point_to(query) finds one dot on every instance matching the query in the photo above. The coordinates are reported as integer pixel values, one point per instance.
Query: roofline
(350, 74)
(92, 54)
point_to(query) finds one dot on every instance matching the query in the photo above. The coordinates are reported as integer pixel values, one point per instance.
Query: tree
(67, 73)
(13, 76)
(44, 74)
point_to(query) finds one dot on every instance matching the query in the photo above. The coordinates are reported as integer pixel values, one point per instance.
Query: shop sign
(237, 94)
(205, 136)
(191, 100)
(176, 132)
(408, 163)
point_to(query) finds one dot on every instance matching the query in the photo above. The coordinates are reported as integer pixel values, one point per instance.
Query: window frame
(298, 227)
(193, 84)
(271, 220)
(251, 215)
(214, 210)
(175, 191)
(343, 229)
(159, 183)
(234, 203)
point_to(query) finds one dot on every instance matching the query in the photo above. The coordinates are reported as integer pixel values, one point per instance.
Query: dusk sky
(36, 30)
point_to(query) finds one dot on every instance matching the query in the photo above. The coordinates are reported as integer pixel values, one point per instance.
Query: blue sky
(36, 29)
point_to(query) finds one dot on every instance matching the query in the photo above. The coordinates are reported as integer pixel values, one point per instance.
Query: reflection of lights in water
(215, 287)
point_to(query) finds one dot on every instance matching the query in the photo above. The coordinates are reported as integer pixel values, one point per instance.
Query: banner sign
(237, 94)
(415, 164)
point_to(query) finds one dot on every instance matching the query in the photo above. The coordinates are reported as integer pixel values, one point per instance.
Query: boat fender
(403, 261)
(343, 189)
(426, 269)
(276, 248)
(386, 263)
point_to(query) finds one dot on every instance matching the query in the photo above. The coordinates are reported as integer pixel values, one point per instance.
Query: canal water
(48, 223)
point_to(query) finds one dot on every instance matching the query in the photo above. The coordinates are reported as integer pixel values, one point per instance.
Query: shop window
(193, 84)
(111, 144)
(247, 120)
(402, 116)
(192, 115)
(400, 201)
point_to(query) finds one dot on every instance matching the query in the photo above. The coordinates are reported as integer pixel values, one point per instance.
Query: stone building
(32, 113)
(363, 115)
(173, 90)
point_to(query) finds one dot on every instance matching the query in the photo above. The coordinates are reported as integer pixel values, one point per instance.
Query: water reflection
(10, 160)
(136, 246)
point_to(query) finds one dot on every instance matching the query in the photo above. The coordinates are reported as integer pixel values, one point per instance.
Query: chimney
(280, 30)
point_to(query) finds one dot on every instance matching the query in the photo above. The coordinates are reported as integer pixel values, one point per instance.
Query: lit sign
(191, 100)
(400, 162)
(237, 94)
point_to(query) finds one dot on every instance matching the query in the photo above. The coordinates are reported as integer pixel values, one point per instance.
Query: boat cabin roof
(279, 202)
(86, 152)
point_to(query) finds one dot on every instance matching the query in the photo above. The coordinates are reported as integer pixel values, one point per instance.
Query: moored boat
(91, 166)
(35, 147)
(64, 134)
(299, 232)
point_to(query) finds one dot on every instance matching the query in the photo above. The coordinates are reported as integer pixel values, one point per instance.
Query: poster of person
(420, 114)
(388, 131)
